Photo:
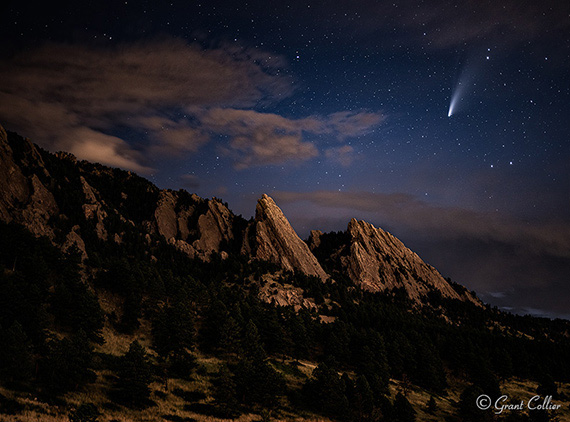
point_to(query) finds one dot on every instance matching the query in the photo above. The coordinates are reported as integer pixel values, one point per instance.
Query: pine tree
(468, 410)
(363, 403)
(403, 410)
(431, 405)
(256, 380)
(215, 318)
(87, 412)
(325, 392)
(68, 364)
(16, 358)
(135, 375)
(230, 337)
(173, 339)
(225, 393)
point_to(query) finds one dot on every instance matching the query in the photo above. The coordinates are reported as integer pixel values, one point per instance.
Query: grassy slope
(170, 404)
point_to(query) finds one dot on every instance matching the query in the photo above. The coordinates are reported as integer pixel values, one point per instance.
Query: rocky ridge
(32, 182)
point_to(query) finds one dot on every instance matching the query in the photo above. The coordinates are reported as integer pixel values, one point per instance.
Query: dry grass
(167, 403)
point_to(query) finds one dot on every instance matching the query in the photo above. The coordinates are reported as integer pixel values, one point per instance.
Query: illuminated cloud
(343, 155)
(170, 96)
(266, 138)
(58, 91)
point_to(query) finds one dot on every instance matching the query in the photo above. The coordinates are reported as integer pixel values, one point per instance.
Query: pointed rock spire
(277, 241)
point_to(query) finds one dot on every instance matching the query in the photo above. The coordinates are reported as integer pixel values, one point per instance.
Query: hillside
(135, 303)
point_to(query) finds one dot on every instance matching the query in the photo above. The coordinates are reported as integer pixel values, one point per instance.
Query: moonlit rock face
(278, 242)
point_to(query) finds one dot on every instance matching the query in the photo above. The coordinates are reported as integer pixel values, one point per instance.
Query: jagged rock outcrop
(377, 261)
(212, 224)
(74, 240)
(165, 215)
(314, 239)
(24, 199)
(284, 295)
(276, 241)
(13, 184)
(93, 209)
(41, 206)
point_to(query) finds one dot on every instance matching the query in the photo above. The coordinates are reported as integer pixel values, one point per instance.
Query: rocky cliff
(379, 261)
(23, 197)
(276, 241)
(28, 192)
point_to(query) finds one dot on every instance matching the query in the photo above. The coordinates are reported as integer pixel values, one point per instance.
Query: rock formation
(378, 261)
(197, 230)
(93, 209)
(277, 242)
(24, 199)
(214, 227)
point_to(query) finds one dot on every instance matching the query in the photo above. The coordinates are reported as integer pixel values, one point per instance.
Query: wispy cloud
(409, 213)
(526, 262)
(343, 155)
(441, 24)
(170, 96)
(266, 138)
(59, 91)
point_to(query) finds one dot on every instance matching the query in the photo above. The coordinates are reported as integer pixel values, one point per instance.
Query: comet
(455, 97)
(458, 95)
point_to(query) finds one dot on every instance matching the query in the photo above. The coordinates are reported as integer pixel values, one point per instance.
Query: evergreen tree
(431, 405)
(482, 377)
(134, 377)
(325, 392)
(252, 348)
(68, 364)
(363, 399)
(225, 393)
(87, 412)
(215, 317)
(403, 410)
(16, 358)
(76, 307)
(256, 380)
(230, 337)
(547, 386)
(132, 311)
(173, 339)
(468, 410)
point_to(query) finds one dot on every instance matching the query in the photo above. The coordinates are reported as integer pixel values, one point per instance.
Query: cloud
(266, 138)
(442, 24)
(58, 91)
(190, 181)
(171, 137)
(410, 214)
(349, 124)
(97, 147)
(169, 96)
(342, 155)
(523, 264)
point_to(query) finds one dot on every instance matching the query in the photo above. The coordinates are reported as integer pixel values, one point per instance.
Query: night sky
(445, 123)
